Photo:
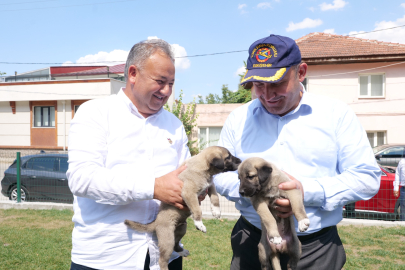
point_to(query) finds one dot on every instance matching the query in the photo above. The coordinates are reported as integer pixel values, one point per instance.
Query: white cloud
(242, 8)
(306, 23)
(112, 58)
(116, 57)
(337, 4)
(239, 71)
(312, 9)
(264, 5)
(403, 5)
(396, 35)
(329, 31)
(179, 51)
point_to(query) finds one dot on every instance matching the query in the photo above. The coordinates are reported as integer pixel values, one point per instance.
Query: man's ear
(218, 163)
(302, 71)
(133, 72)
(264, 173)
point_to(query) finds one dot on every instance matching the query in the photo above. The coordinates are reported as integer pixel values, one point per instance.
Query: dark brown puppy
(170, 224)
(259, 180)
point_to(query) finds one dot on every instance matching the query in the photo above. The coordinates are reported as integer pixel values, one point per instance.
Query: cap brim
(264, 75)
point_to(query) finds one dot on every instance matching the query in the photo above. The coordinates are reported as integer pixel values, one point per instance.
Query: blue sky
(62, 31)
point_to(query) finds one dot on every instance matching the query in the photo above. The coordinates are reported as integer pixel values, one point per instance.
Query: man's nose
(166, 90)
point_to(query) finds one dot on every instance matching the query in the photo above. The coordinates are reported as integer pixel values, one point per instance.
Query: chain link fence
(43, 179)
(42, 176)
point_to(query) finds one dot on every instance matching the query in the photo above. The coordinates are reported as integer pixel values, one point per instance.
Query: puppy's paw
(184, 253)
(200, 226)
(276, 240)
(216, 211)
(303, 225)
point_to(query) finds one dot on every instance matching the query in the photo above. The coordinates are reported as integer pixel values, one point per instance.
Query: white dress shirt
(400, 175)
(321, 143)
(115, 154)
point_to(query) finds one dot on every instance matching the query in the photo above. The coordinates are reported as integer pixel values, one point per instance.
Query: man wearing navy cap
(316, 140)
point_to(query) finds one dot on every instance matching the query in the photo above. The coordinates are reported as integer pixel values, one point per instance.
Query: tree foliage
(187, 115)
(241, 95)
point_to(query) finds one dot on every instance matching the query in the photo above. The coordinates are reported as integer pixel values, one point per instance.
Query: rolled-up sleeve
(87, 174)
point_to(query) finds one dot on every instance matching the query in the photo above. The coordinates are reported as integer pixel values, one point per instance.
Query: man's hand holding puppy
(168, 188)
(283, 207)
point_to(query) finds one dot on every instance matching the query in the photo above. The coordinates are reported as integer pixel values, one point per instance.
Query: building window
(376, 138)
(372, 85)
(44, 116)
(209, 136)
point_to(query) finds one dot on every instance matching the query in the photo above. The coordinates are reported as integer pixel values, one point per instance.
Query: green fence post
(18, 178)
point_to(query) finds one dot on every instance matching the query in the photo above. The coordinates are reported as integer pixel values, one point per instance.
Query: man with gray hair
(124, 156)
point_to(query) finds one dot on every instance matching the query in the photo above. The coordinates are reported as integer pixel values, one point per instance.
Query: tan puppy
(259, 180)
(170, 224)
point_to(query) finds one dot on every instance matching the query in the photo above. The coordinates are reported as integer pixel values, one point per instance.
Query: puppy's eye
(250, 177)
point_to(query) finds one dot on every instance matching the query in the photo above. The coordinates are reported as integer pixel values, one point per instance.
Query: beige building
(37, 114)
(368, 75)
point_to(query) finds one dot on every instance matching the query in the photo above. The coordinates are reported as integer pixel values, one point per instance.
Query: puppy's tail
(150, 227)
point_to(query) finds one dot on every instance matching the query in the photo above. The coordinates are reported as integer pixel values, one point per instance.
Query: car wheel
(13, 194)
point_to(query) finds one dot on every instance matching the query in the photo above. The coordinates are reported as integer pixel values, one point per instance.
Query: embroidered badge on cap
(263, 54)
(170, 140)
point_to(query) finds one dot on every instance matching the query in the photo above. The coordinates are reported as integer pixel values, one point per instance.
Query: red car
(384, 201)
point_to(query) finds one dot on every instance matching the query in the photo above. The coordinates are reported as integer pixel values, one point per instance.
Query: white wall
(68, 117)
(48, 90)
(15, 128)
(375, 114)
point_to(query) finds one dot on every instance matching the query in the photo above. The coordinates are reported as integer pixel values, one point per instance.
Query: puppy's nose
(242, 193)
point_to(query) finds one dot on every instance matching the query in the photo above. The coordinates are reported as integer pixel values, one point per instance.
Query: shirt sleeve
(88, 149)
(227, 184)
(359, 174)
(398, 174)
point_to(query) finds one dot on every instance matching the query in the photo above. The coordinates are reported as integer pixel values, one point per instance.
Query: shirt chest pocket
(165, 150)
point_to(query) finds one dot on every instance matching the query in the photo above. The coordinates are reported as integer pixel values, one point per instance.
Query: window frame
(369, 85)
(42, 118)
(207, 132)
(376, 136)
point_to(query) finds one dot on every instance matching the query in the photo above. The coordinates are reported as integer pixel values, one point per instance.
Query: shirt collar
(305, 100)
(131, 107)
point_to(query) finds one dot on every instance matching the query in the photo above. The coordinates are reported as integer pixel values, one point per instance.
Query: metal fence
(43, 179)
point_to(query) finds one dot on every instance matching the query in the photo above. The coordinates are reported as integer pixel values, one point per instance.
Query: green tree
(2, 73)
(242, 95)
(187, 115)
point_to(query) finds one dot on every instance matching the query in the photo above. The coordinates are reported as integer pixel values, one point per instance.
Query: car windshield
(379, 148)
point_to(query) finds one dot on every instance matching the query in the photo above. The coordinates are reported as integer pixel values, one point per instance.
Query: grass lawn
(41, 239)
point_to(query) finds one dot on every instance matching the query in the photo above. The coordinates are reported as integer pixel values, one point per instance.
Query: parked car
(389, 154)
(43, 178)
(384, 201)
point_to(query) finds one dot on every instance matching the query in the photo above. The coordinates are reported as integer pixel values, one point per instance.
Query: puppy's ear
(263, 173)
(218, 163)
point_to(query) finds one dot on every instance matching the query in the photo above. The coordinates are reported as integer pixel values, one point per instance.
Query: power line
(69, 5)
(188, 56)
(376, 30)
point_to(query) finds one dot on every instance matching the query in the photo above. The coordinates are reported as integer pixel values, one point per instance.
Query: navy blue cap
(270, 58)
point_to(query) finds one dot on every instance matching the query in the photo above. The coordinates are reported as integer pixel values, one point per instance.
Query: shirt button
(281, 143)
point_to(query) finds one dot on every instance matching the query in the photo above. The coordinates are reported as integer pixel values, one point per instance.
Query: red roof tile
(323, 45)
(97, 71)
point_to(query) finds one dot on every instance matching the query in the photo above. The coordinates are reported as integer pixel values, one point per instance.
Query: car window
(63, 164)
(394, 152)
(42, 163)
